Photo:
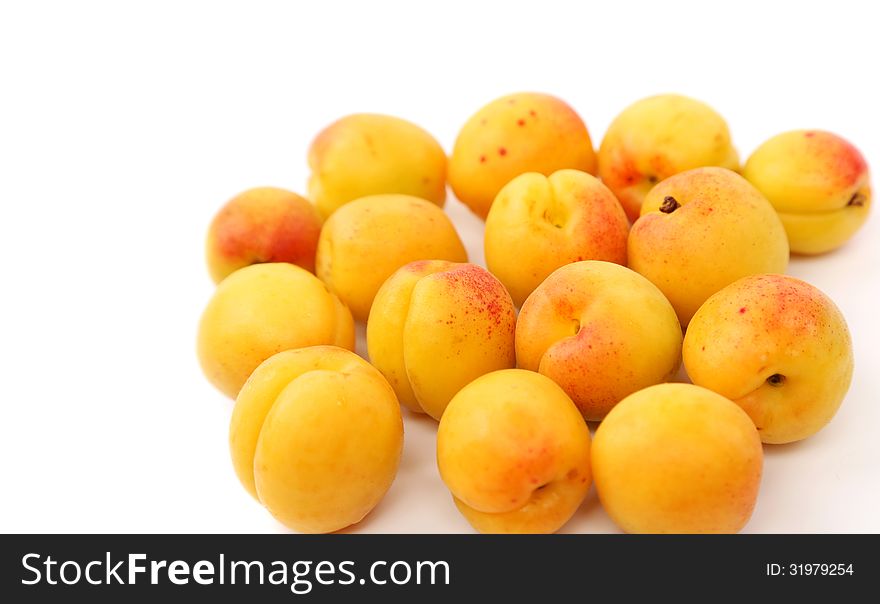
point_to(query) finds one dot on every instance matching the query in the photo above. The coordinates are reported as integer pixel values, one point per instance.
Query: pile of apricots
(604, 272)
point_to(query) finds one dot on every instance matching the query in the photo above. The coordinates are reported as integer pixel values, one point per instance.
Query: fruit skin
(370, 154)
(657, 137)
(538, 223)
(818, 182)
(677, 458)
(523, 132)
(515, 453)
(265, 224)
(600, 331)
(773, 325)
(263, 309)
(316, 436)
(365, 241)
(435, 326)
(723, 230)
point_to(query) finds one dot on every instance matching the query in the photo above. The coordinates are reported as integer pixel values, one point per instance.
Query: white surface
(123, 129)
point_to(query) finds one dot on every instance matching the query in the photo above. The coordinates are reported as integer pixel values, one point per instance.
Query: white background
(124, 127)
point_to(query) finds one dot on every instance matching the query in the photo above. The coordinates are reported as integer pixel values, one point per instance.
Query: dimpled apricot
(538, 223)
(316, 436)
(435, 326)
(600, 331)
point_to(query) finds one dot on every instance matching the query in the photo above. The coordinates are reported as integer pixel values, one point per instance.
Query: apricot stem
(669, 205)
(858, 199)
(777, 379)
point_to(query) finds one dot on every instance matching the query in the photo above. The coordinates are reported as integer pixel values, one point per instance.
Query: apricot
(515, 453)
(435, 326)
(776, 346)
(263, 309)
(600, 331)
(657, 137)
(524, 132)
(819, 184)
(677, 458)
(265, 224)
(365, 241)
(538, 223)
(369, 154)
(701, 230)
(316, 437)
